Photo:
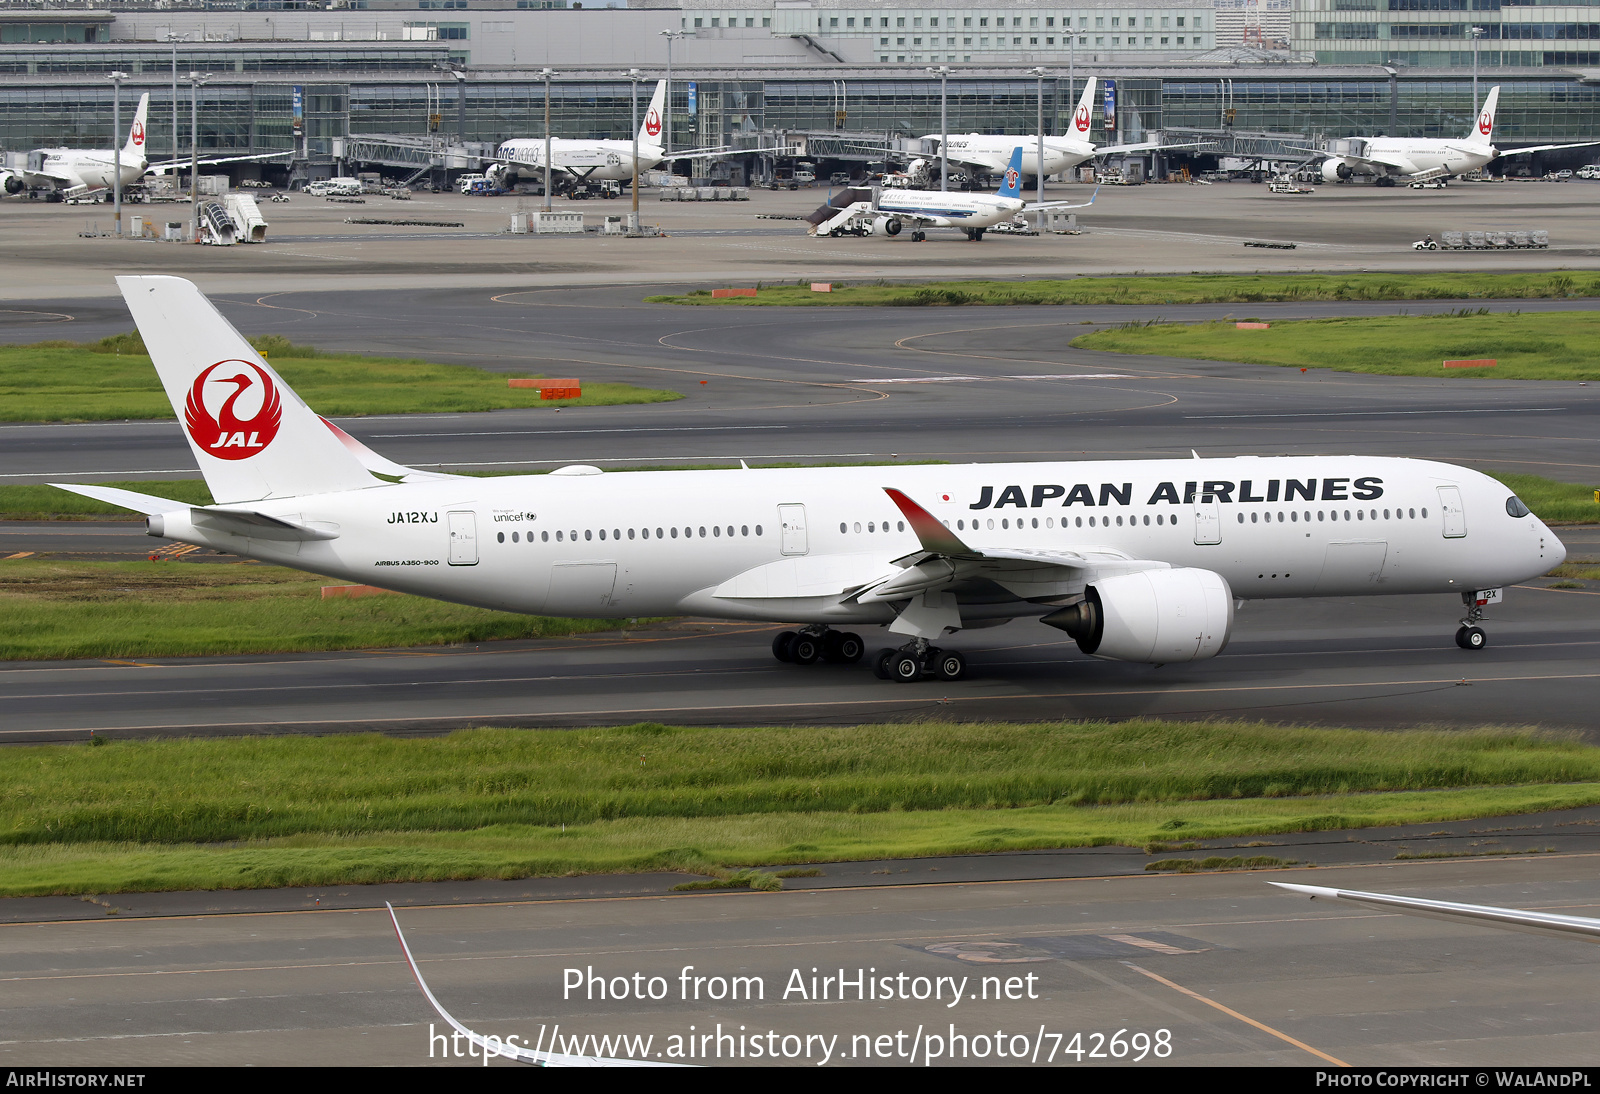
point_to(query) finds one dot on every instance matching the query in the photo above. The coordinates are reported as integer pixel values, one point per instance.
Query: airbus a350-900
(1138, 560)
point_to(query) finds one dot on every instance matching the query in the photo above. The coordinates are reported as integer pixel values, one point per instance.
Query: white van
(335, 187)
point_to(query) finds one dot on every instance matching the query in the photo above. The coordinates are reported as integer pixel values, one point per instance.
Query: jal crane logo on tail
(652, 123)
(1485, 123)
(1081, 119)
(138, 134)
(225, 434)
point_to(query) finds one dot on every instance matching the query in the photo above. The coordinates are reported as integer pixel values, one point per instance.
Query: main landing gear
(813, 644)
(1471, 636)
(974, 235)
(916, 660)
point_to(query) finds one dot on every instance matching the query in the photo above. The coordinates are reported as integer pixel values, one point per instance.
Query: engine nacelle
(1335, 171)
(502, 175)
(1153, 616)
(886, 226)
(13, 184)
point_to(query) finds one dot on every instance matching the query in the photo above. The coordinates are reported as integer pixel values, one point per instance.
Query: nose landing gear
(1470, 636)
(818, 643)
(916, 660)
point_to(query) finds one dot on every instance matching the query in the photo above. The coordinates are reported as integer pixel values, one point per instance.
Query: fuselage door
(463, 539)
(1207, 519)
(792, 523)
(1455, 515)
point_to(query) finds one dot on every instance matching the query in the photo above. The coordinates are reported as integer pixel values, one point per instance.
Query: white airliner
(1423, 159)
(76, 171)
(591, 160)
(862, 211)
(79, 170)
(1138, 560)
(990, 153)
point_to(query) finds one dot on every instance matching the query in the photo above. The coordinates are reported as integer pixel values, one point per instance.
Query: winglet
(933, 535)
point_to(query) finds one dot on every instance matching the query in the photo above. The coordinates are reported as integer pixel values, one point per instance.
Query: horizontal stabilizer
(128, 499)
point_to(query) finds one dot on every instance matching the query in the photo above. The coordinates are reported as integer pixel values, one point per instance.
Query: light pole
(666, 123)
(943, 72)
(116, 79)
(546, 75)
(633, 98)
(1038, 74)
(1477, 34)
(196, 79)
(174, 39)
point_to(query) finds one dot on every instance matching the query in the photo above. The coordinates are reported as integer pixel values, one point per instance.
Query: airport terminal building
(364, 81)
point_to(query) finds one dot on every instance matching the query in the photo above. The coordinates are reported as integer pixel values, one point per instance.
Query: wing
(1065, 204)
(934, 580)
(1546, 148)
(487, 1045)
(169, 165)
(381, 466)
(1508, 918)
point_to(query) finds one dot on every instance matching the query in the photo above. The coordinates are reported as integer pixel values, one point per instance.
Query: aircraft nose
(1552, 551)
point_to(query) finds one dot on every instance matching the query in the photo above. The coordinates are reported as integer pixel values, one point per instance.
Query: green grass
(1532, 346)
(1551, 501)
(168, 609)
(1187, 289)
(68, 381)
(271, 811)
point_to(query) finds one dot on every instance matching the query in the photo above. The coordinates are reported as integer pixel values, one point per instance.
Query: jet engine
(502, 175)
(886, 226)
(1152, 616)
(13, 184)
(1335, 171)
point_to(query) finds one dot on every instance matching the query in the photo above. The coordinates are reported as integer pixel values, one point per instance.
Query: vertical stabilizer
(133, 152)
(250, 433)
(1083, 115)
(650, 130)
(1483, 129)
(1011, 185)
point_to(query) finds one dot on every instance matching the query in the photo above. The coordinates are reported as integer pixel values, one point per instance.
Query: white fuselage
(1423, 155)
(90, 168)
(950, 209)
(788, 545)
(994, 152)
(610, 160)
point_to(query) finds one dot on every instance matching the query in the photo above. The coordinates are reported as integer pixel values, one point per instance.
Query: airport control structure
(426, 90)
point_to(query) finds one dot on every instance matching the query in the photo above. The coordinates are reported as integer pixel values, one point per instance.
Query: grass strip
(54, 610)
(716, 845)
(1179, 289)
(268, 811)
(1531, 346)
(113, 378)
(1551, 501)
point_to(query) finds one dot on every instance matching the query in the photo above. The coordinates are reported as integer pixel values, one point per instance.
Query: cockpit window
(1515, 507)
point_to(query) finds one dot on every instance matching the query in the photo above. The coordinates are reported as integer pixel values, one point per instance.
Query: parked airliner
(988, 153)
(1138, 560)
(862, 211)
(593, 160)
(1423, 159)
(76, 171)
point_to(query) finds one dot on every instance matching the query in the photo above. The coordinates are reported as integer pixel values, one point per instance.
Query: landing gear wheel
(783, 646)
(806, 649)
(880, 664)
(842, 648)
(1471, 638)
(951, 665)
(905, 667)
